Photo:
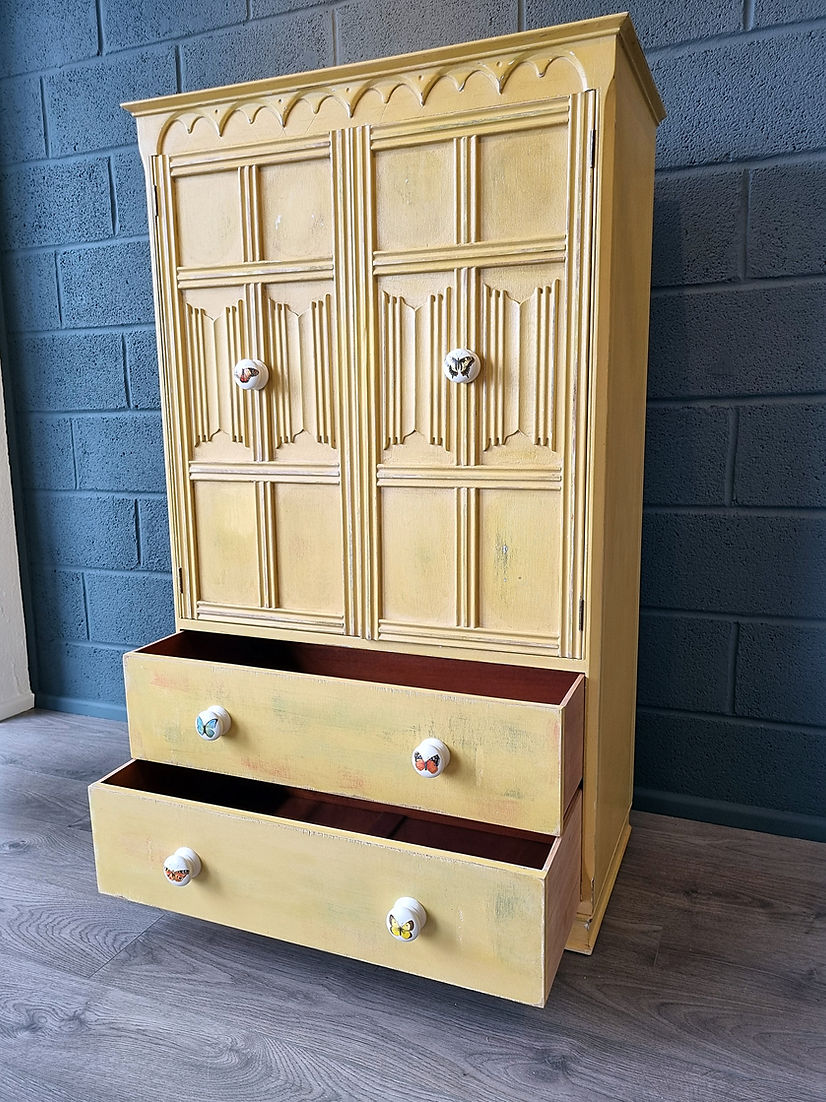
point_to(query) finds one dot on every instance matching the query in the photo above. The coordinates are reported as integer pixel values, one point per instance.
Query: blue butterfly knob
(182, 866)
(406, 919)
(213, 722)
(461, 365)
(251, 374)
(430, 758)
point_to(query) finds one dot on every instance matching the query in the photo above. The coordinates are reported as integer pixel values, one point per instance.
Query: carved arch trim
(418, 82)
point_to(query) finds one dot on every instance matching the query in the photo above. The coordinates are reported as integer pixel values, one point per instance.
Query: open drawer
(496, 906)
(349, 721)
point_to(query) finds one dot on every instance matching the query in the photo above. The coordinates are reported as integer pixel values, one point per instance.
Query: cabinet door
(255, 475)
(482, 241)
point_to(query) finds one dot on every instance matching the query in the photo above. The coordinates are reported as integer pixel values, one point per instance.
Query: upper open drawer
(498, 744)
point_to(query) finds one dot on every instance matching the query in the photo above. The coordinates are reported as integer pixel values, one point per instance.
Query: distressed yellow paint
(414, 196)
(215, 197)
(291, 230)
(331, 889)
(307, 529)
(523, 184)
(512, 763)
(227, 512)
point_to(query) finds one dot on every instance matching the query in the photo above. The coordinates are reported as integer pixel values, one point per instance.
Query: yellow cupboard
(402, 323)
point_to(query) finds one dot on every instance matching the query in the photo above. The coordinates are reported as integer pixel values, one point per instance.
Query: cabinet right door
(483, 229)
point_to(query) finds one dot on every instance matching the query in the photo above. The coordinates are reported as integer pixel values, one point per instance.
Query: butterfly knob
(251, 374)
(461, 365)
(406, 919)
(213, 722)
(430, 758)
(182, 866)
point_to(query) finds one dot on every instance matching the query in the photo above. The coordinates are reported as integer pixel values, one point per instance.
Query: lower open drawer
(327, 871)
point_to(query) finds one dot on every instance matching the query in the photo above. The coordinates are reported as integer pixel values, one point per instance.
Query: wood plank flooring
(707, 983)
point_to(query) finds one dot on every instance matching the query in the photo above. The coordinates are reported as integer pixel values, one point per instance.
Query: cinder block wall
(733, 643)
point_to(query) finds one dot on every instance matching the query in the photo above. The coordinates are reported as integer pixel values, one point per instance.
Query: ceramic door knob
(430, 758)
(182, 866)
(213, 722)
(461, 365)
(251, 374)
(406, 919)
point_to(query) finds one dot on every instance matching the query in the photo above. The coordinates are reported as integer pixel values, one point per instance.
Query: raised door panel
(256, 474)
(208, 218)
(482, 240)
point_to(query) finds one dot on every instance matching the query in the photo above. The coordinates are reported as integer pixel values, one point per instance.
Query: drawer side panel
(562, 891)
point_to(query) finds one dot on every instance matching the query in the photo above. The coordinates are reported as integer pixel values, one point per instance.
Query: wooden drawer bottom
(325, 871)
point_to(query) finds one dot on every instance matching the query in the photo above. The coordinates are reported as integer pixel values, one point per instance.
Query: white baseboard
(23, 702)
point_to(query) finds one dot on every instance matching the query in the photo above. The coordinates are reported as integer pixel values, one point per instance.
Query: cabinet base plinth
(583, 935)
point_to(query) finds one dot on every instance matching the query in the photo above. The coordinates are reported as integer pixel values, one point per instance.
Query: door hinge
(592, 150)
(154, 200)
(581, 613)
(180, 579)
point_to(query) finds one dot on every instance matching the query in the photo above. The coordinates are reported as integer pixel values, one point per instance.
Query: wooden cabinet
(362, 508)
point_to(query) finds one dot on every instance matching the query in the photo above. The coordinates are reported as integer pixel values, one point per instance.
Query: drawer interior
(386, 667)
(515, 847)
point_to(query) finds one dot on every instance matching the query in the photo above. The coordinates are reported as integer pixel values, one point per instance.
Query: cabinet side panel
(618, 507)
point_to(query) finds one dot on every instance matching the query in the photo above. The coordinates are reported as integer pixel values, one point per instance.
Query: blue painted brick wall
(732, 693)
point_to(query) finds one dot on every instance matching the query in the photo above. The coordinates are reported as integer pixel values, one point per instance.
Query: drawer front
(511, 763)
(491, 926)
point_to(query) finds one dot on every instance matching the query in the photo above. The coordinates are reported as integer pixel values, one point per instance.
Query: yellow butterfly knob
(406, 919)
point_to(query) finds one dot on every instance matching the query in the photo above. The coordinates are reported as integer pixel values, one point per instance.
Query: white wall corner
(15, 689)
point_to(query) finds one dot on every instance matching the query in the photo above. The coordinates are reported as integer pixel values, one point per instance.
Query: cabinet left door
(245, 271)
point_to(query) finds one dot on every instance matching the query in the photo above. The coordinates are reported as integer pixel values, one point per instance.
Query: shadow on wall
(731, 692)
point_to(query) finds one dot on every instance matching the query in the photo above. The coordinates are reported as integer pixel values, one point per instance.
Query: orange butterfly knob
(406, 919)
(430, 758)
(251, 374)
(182, 866)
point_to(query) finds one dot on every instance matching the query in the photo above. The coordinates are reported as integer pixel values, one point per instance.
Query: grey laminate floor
(707, 983)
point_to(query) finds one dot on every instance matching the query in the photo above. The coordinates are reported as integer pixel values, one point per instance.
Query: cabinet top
(587, 45)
